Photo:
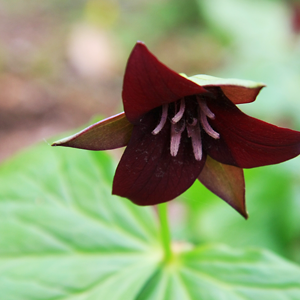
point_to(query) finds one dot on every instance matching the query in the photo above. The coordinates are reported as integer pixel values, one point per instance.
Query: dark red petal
(247, 142)
(111, 133)
(225, 181)
(148, 84)
(147, 173)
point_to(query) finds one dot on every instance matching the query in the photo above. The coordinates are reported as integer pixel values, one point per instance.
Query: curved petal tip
(148, 84)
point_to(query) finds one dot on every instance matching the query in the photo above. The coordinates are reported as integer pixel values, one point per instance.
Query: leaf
(63, 236)
(111, 133)
(215, 272)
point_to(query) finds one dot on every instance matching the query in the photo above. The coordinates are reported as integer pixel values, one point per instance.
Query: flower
(178, 129)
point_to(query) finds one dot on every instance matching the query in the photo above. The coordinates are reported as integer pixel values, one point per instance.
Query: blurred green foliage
(273, 209)
(246, 39)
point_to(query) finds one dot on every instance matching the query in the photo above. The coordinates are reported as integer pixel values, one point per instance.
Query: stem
(165, 231)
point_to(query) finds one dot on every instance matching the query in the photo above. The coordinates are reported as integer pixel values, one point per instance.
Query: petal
(148, 84)
(225, 181)
(247, 142)
(111, 133)
(147, 173)
(237, 91)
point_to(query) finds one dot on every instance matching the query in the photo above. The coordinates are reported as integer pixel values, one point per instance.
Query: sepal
(236, 90)
(110, 133)
(225, 181)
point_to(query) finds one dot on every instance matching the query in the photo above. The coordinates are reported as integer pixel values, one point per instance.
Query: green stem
(165, 231)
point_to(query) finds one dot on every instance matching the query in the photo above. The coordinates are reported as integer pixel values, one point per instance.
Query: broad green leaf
(216, 272)
(62, 234)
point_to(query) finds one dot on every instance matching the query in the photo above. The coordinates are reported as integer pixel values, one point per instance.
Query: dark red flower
(180, 128)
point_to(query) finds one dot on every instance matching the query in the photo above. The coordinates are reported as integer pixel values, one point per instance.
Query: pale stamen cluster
(193, 125)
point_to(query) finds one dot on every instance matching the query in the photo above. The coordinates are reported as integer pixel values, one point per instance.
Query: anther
(205, 108)
(176, 132)
(208, 129)
(192, 119)
(180, 113)
(163, 120)
(194, 133)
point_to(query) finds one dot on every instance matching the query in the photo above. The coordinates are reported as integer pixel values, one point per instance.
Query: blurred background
(62, 62)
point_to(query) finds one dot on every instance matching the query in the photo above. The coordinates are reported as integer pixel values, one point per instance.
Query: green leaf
(216, 272)
(63, 236)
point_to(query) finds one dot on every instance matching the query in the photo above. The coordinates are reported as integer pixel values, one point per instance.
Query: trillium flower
(179, 129)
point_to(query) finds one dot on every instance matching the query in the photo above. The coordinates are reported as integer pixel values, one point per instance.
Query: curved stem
(165, 231)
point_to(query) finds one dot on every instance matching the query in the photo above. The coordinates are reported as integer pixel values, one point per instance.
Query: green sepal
(110, 133)
(237, 90)
(227, 182)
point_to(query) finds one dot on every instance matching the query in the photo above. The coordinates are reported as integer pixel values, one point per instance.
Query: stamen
(192, 118)
(176, 132)
(194, 133)
(163, 120)
(180, 113)
(204, 108)
(207, 127)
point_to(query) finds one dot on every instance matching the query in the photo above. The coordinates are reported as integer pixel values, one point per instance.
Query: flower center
(190, 115)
